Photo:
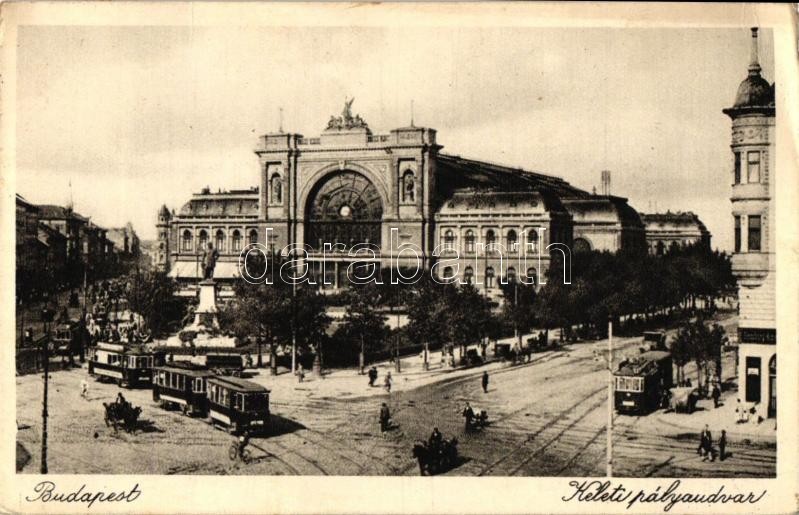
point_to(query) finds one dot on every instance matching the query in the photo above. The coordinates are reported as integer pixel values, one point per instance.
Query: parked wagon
(184, 385)
(128, 365)
(641, 381)
(684, 399)
(238, 404)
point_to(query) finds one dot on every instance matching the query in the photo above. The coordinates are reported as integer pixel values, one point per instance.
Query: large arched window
(344, 207)
(203, 240)
(489, 277)
(447, 274)
(276, 185)
(511, 276)
(469, 241)
(253, 237)
(220, 240)
(532, 276)
(532, 239)
(512, 241)
(449, 240)
(491, 239)
(187, 240)
(581, 245)
(468, 275)
(236, 241)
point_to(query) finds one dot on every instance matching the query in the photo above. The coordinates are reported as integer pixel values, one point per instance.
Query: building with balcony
(753, 218)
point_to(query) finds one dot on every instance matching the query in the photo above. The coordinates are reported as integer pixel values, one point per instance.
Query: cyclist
(244, 440)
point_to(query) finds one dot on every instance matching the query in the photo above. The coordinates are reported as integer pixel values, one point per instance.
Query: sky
(136, 117)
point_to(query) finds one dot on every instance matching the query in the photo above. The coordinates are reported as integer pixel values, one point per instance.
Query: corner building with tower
(753, 219)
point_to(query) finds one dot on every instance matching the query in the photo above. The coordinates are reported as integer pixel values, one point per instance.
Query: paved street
(547, 418)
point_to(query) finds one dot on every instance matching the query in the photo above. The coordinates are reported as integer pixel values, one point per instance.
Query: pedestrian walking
(385, 417)
(468, 415)
(387, 382)
(485, 381)
(372, 376)
(706, 445)
(723, 445)
(84, 389)
(716, 394)
(300, 374)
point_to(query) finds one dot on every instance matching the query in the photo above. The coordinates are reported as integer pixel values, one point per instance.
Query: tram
(641, 381)
(182, 384)
(128, 365)
(238, 404)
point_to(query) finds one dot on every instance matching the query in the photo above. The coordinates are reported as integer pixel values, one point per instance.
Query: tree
(681, 349)
(427, 313)
(470, 316)
(275, 312)
(518, 307)
(363, 322)
(152, 295)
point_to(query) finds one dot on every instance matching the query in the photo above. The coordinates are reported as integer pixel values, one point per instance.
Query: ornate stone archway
(343, 207)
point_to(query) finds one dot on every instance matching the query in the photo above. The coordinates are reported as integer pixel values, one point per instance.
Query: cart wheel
(233, 451)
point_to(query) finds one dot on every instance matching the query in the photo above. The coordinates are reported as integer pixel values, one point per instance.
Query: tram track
(563, 414)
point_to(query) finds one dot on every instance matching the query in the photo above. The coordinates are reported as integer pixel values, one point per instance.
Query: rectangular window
(737, 168)
(754, 166)
(754, 233)
(737, 233)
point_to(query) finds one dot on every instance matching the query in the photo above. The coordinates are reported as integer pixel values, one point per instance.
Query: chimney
(606, 182)
(754, 65)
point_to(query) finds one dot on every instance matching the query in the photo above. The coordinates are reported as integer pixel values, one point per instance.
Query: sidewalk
(348, 383)
(723, 417)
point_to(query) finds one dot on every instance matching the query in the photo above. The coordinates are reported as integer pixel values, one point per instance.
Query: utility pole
(293, 325)
(47, 317)
(397, 361)
(610, 399)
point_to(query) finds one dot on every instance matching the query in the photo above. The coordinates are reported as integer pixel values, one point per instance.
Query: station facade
(350, 186)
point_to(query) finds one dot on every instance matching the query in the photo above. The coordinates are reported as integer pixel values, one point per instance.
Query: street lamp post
(47, 317)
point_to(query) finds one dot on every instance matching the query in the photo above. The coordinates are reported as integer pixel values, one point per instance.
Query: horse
(433, 460)
(126, 414)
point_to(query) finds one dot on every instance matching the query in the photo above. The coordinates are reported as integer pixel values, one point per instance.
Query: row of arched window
(511, 240)
(490, 276)
(236, 240)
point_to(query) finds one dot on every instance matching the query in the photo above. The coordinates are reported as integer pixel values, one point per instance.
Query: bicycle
(233, 453)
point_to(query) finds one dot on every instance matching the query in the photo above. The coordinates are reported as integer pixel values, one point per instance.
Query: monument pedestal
(206, 314)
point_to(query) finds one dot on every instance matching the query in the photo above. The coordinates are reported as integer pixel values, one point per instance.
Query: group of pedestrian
(706, 449)
(744, 414)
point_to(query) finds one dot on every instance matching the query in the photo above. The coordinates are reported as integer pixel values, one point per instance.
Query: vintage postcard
(430, 258)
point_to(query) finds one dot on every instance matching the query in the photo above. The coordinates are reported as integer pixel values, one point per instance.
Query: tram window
(198, 385)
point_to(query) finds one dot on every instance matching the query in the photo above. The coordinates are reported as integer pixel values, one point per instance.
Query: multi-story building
(391, 191)
(669, 230)
(67, 222)
(753, 219)
(30, 254)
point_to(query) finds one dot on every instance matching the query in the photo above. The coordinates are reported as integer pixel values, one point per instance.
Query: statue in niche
(408, 187)
(277, 189)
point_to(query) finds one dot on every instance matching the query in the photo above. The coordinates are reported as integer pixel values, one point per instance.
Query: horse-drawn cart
(434, 459)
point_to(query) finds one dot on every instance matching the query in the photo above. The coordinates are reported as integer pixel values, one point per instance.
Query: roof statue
(346, 121)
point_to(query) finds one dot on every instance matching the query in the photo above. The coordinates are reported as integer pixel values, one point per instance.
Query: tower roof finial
(754, 64)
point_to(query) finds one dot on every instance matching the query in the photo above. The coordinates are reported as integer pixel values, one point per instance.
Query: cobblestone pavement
(546, 418)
